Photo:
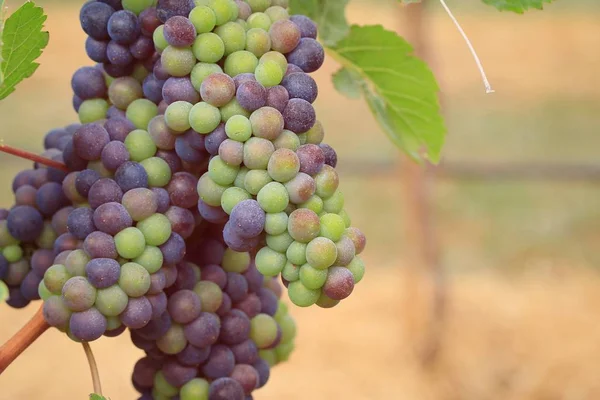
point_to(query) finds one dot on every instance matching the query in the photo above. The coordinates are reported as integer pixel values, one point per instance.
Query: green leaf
(97, 397)
(23, 43)
(328, 14)
(347, 83)
(518, 6)
(3, 292)
(400, 89)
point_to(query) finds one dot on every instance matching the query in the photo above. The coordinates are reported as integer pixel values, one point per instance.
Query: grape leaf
(23, 43)
(97, 397)
(346, 82)
(400, 89)
(3, 292)
(328, 14)
(518, 6)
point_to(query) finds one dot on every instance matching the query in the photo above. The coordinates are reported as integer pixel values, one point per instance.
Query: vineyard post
(426, 280)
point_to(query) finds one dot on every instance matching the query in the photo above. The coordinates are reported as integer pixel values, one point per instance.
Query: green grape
(270, 262)
(276, 223)
(178, 61)
(279, 243)
(43, 291)
(5, 237)
(335, 203)
(137, 6)
(287, 140)
(259, 5)
(255, 180)
(160, 43)
(211, 295)
(99, 168)
(111, 301)
(196, 389)
(263, 330)
(130, 243)
(327, 182)
(134, 279)
(156, 395)
(258, 41)
(302, 137)
(222, 10)
(257, 152)
(234, 9)
(268, 74)
(159, 172)
(312, 278)
(234, 37)
(76, 262)
(302, 296)
(208, 48)
(283, 351)
(267, 123)
(113, 323)
(304, 225)
(281, 3)
(232, 152)
(277, 13)
(140, 112)
(204, 118)
(238, 128)
(232, 109)
(240, 62)
(241, 177)
(140, 145)
(291, 272)
(234, 261)
(151, 259)
(156, 229)
(177, 116)
(123, 91)
(47, 237)
(316, 134)
(201, 71)
(92, 110)
(332, 227)
(345, 251)
(276, 57)
(296, 253)
(242, 23)
(12, 253)
(282, 311)
(218, 90)
(314, 203)
(203, 18)
(346, 217)
(140, 72)
(164, 387)
(209, 191)
(326, 301)
(55, 278)
(321, 253)
(259, 20)
(288, 328)
(173, 341)
(232, 196)
(273, 197)
(222, 173)
(357, 267)
(269, 356)
(283, 165)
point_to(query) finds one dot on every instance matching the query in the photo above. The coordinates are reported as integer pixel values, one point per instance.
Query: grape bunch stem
(22, 339)
(93, 368)
(33, 157)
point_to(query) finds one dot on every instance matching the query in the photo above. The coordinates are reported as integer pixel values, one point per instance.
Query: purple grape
(235, 328)
(104, 191)
(182, 221)
(193, 356)
(247, 219)
(311, 158)
(66, 241)
(118, 71)
(308, 55)
(118, 54)
(41, 260)
(166, 9)
(220, 363)
(100, 245)
(214, 139)
(269, 302)
(237, 242)
(300, 85)
(89, 140)
(153, 88)
(142, 48)
(123, 27)
(172, 159)
(214, 273)
(114, 155)
(330, 155)
(277, 97)
(179, 31)
(88, 325)
(81, 222)
(96, 49)
(177, 374)
(103, 272)
(264, 372)
(237, 287)
(131, 175)
(245, 352)
(226, 389)
(144, 371)
(203, 331)
(162, 199)
(308, 29)
(30, 285)
(158, 281)
(159, 304)
(180, 89)
(118, 128)
(156, 328)
(184, 306)
(112, 218)
(251, 95)
(214, 215)
(137, 314)
(246, 376)
(50, 198)
(149, 21)
(25, 223)
(182, 190)
(173, 249)
(89, 83)
(299, 116)
(85, 180)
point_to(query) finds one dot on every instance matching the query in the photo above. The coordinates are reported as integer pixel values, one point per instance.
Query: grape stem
(486, 82)
(33, 157)
(22, 339)
(93, 367)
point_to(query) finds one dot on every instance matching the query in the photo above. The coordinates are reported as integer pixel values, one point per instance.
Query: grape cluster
(198, 181)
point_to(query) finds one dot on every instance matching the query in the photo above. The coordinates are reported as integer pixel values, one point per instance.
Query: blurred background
(517, 284)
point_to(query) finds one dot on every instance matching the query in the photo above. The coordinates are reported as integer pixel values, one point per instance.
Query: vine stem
(93, 367)
(33, 157)
(486, 82)
(22, 339)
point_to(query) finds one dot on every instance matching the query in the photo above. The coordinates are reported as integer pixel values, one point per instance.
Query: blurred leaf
(518, 6)
(23, 43)
(4, 293)
(329, 15)
(345, 82)
(409, 1)
(400, 89)
(97, 397)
